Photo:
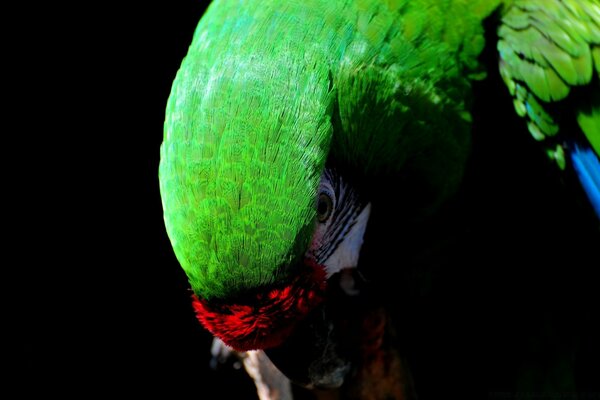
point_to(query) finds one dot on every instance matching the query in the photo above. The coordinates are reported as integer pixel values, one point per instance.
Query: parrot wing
(550, 61)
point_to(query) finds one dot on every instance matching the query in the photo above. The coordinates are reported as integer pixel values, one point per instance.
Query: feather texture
(269, 90)
(247, 132)
(548, 50)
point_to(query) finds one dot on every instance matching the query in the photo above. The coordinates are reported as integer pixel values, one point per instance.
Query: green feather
(596, 55)
(588, 119)
(548, 47)
(269, 90)
(247, 132)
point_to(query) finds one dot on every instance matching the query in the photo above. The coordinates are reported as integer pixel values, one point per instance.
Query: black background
(103, 306)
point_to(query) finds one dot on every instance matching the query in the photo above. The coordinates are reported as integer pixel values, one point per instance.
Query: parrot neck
(266, 319)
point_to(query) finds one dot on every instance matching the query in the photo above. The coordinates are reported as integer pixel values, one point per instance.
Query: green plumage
(270, 90)
(548, 49)
(246, 137)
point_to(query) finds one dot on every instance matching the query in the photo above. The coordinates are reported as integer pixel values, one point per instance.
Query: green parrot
(285, 118)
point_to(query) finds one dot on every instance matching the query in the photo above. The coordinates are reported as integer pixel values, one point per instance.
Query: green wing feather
(549, 54)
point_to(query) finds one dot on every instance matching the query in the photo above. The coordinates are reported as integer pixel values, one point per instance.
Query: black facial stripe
(335, 241)
(338, 226)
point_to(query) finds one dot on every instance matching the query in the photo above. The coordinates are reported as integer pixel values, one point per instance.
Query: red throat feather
(268, 318)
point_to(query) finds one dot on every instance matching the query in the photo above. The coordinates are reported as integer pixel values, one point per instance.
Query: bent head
(246, 137)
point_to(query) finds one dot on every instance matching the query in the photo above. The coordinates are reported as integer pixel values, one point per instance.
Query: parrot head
(253, 216)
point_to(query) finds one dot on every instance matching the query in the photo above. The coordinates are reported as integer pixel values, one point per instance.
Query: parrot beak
(320, 351)
(313, 356)
(348, 345)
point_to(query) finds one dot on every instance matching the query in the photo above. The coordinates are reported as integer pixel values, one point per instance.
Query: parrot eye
(324, 207)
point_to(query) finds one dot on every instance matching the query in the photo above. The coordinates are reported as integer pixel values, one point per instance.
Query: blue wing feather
(587, 166)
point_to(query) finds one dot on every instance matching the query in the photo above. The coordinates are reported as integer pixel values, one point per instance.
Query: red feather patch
(267, 319)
